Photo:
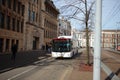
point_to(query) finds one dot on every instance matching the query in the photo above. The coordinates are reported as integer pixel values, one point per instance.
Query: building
(49, 20)
(82, 38)
(29, 23)
(76, 35)
(110, 38)
(11, 24)
(64, 28)
(81, 35)
(33, 31)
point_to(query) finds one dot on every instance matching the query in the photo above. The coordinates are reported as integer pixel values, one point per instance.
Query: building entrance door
(1, 44)
(35, 42)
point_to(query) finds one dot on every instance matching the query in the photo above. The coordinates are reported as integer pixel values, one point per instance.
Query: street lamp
(97, 47)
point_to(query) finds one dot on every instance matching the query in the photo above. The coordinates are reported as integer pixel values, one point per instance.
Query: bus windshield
(61, 45)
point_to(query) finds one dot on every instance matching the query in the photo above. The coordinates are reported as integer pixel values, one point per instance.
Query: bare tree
(82, 11)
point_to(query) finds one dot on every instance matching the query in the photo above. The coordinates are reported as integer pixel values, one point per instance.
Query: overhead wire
(112, 13)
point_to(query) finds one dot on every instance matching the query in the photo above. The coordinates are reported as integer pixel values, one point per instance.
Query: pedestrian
(47, 47)
(14, 51)
(43, 47)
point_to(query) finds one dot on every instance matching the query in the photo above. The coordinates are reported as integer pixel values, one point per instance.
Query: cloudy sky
(110, 14)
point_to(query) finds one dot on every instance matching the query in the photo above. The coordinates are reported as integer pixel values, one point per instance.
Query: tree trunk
(87, 46)
(87, 32)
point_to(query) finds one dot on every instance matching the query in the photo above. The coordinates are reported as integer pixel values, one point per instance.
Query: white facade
(81, 36)
(109, 38)
(64, 27)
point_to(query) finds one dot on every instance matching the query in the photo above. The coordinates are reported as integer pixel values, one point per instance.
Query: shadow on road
(22, 59)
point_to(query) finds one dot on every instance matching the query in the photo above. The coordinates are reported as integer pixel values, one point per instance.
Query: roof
(50, 2)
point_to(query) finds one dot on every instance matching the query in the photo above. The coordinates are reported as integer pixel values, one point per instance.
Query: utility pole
(97, 45)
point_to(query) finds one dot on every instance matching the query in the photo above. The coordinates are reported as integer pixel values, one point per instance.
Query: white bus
(64, 46)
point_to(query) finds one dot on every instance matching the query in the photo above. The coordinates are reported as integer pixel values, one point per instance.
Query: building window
(12, 42)
(13, 24)
(22, 24)
(9, 3)
(33, 16)
(23, 8)
(2, 2)
(33, 1)
(2, 18)
(29, 13)
(37, 1)
(17, 42)
(36, 17)
(1, 44)
(18, 25)
(8, 22)
(19, 4)
(59, 24)
(14, 5)
(7, 44)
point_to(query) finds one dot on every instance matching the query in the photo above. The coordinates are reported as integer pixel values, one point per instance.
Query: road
(111, 63)
(34, 66)
(45, 68)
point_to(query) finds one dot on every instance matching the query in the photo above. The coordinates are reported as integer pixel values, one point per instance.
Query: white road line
(44, 59)
(108, 71)
(40, 61)
(17, 75)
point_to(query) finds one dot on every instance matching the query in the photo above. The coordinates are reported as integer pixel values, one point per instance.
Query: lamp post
(97, 44)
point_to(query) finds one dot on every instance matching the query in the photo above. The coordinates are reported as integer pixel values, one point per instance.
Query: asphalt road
(43, 68)
(111, 64)
(38, 65)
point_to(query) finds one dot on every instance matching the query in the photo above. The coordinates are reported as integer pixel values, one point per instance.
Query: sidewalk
(79, 73)
(22, 59)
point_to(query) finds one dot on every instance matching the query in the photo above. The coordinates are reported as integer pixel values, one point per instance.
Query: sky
(110, 14)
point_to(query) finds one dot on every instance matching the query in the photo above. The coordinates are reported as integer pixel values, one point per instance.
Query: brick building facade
(33, 36)
(29, 23)
(110, 38)
(11, 24)
(50, 20)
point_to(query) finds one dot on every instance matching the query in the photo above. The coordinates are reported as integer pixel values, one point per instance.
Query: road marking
(43, 59)
(17, 75)
(40, 61)
(108, 71)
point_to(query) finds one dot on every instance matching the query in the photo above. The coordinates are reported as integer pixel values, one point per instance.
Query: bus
(64, 46)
